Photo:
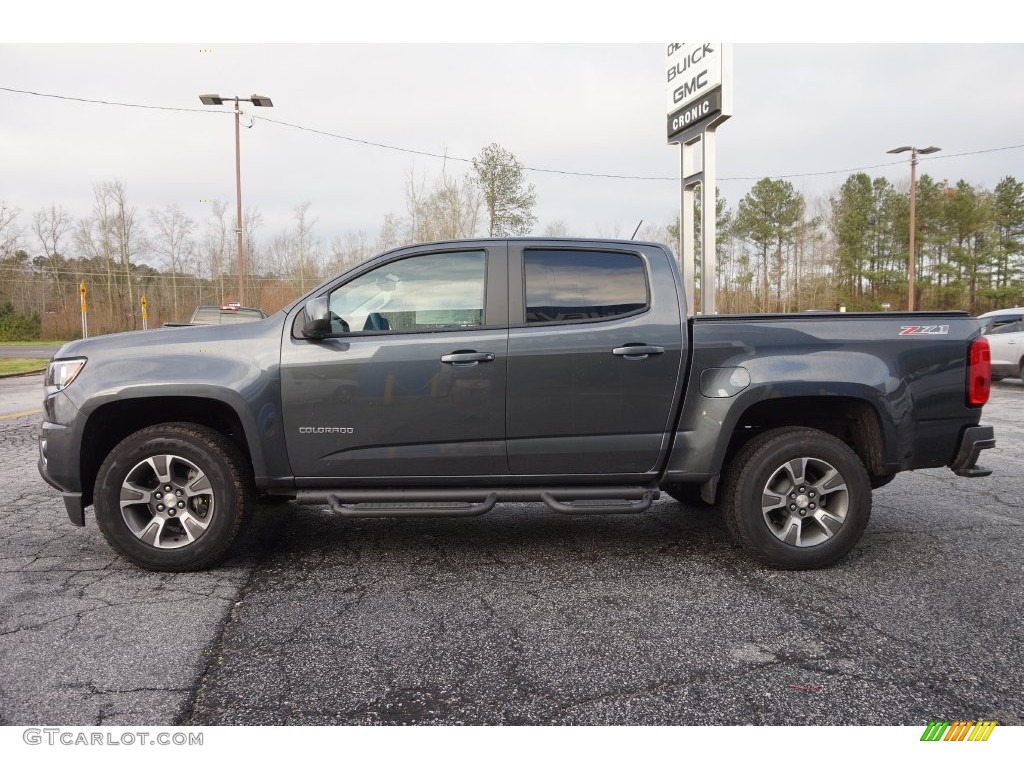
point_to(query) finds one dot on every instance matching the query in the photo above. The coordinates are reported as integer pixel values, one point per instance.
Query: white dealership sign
(698, 85)
(698, 77)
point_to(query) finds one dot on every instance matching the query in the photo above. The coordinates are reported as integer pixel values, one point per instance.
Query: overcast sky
(799, 110)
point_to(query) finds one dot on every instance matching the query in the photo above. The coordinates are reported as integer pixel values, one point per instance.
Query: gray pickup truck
(446, 378)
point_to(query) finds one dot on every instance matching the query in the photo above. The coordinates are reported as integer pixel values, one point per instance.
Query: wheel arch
(853, 420)
(713, 430)
(113, 421)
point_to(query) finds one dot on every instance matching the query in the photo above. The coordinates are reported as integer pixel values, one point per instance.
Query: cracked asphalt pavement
(522, 616)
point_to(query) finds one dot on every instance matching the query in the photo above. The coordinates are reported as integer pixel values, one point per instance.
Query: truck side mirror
(316, 321)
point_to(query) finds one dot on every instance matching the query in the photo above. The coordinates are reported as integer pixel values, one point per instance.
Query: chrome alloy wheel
(167, 501)
(805, 502)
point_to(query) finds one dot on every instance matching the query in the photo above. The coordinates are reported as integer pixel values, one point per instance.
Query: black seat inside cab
(375, 321)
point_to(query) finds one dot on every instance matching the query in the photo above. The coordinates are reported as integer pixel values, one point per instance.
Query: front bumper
(59, 453)
(973, 440)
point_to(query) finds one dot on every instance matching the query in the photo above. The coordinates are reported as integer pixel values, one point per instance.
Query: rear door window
(572, 285)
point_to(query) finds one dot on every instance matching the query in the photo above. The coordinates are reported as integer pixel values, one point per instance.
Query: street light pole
(238, 205)
(212, 99)
(912, 255)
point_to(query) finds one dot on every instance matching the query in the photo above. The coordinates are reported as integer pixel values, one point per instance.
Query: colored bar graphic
(935, 730)
(958, 730)
(982, 730)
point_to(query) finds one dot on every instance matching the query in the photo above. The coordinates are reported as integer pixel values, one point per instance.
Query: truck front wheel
(797, 498)
(172, 497)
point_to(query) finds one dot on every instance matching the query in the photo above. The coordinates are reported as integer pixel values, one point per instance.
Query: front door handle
(467, 358)
(637, 351)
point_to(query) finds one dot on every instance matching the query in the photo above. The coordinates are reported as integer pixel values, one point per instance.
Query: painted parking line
(20, 413)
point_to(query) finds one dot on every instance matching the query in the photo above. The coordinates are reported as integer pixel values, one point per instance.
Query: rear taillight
(979, 372)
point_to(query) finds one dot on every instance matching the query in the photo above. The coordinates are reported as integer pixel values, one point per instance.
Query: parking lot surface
(521, 616)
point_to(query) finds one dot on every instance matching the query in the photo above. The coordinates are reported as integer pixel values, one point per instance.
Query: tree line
(122, 254)
(776, 251)
(850, 249)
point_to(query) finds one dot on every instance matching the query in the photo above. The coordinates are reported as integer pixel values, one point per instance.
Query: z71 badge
(924, 330)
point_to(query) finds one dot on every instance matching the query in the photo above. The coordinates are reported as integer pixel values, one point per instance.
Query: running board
(468, 502)
(592, 508)
(464, 510)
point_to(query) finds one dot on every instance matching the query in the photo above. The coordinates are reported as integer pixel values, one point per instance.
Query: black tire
(194, 488)
(811, 528)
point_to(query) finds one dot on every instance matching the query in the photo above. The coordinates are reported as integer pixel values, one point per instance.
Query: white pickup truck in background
(221, 315)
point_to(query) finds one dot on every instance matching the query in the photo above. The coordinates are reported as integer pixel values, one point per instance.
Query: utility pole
(212, 99)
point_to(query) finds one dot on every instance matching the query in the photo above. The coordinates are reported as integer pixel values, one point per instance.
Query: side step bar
(468, 502)
(465, 510)
(574, 508)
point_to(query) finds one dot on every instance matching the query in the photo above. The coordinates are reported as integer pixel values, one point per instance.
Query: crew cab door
(595, 355)
(411, 382)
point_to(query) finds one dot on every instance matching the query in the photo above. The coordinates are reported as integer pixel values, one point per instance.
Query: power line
(110, 103)
(443, 156)
(606, 175)
(945, 156)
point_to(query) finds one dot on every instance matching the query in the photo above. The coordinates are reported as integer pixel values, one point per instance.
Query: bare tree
(279, 252)
(446, 210)
(93, 237)
(129, 239)
(13, 260)
(455, 207)
(174, 243)
(10, 234)
(217, 240)
(308, 252)
(51, 226)
(556, 228)
(417, 207)
(390, 232)
(354, 248)
(251, 223)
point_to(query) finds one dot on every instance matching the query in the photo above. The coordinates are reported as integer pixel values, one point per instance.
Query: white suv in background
(1004, 330)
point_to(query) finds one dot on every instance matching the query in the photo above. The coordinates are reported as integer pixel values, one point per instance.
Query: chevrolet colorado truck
(446, 378)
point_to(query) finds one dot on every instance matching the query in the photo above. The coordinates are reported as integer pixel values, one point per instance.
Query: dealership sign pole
(699, 78)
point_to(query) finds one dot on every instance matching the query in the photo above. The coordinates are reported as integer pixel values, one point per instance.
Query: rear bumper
(973, 440)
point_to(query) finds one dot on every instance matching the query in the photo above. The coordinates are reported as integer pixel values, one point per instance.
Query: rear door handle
(637, 351)
(467, 358)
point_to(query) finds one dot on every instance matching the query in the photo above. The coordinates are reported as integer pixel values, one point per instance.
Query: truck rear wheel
(172, 497)
(797, 498)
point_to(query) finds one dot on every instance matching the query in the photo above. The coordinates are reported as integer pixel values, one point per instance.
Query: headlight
(60, 373)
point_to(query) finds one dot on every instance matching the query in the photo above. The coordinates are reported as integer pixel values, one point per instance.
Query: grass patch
(32, 343)
(11, 365)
